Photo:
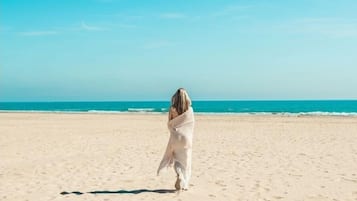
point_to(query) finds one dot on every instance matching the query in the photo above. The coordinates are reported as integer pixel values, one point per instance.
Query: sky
(108, 50)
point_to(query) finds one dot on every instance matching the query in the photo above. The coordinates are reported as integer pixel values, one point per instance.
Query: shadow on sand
(138, 191)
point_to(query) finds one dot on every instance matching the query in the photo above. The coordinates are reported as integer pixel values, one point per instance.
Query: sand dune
(46, 156)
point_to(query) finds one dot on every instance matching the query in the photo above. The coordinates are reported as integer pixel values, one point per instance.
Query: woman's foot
(178, 183)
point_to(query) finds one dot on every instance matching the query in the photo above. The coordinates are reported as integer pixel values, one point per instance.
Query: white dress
(179, 148)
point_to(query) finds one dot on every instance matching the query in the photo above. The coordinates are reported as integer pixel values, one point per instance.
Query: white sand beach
(54, 156)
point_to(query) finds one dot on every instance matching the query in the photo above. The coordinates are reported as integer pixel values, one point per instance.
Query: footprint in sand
(278, 197)
(220, 183)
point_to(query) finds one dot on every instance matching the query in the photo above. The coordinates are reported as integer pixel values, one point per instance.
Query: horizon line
(160, 100)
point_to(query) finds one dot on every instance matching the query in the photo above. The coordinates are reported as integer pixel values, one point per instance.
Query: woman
(179, 147)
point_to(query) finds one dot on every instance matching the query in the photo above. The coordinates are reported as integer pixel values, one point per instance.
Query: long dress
(179, 148)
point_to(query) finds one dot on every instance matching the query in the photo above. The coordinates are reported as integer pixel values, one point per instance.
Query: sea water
(310, 107)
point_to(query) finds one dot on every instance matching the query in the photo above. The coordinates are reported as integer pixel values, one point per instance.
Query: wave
(318, 113)
(141, 109)
(165, 110)
(104, 111)
(281, 113)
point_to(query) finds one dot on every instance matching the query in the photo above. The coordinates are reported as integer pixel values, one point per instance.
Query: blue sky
(143, 50)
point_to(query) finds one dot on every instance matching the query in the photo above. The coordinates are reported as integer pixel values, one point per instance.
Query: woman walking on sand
(179, 147)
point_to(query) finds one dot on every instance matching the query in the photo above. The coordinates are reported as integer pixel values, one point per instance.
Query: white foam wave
(353, 114)
(318, 113)
(152, 111)
(141, 109)
(164, 109)
(104, 111)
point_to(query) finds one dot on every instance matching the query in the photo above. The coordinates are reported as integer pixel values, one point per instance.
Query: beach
(89, 156)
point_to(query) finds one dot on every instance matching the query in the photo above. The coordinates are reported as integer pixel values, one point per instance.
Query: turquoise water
(340, 107)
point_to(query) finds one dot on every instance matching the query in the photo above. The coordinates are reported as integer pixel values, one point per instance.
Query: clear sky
(54, 50)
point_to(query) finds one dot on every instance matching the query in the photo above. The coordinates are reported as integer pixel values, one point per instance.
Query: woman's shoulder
(173, 113)
(173, 110)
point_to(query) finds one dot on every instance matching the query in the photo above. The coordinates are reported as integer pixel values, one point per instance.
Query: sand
(45, 156)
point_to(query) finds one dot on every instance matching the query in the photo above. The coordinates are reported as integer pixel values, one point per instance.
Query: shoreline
(258, 114)
(263, 114)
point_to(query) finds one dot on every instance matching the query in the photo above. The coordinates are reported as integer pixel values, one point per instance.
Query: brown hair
(181, 101)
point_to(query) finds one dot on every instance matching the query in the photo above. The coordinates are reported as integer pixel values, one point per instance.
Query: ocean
(311, 107)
